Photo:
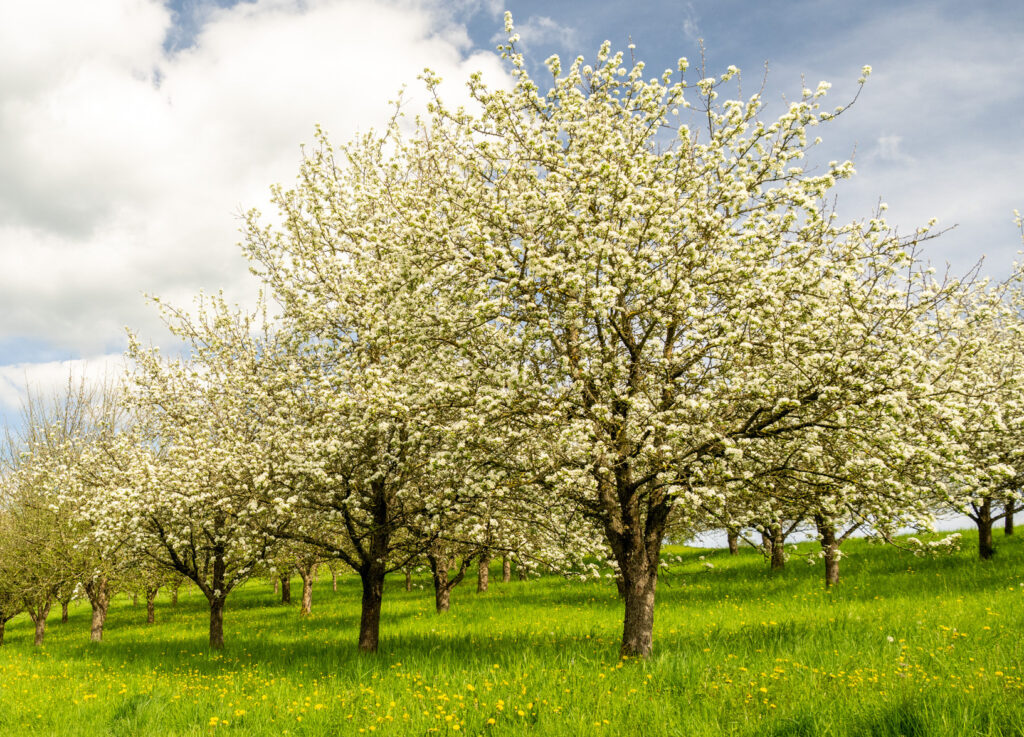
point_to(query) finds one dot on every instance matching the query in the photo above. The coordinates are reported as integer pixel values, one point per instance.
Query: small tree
(196, 459)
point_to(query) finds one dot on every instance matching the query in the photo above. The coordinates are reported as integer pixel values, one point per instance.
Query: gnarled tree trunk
(634, 535)
(286, 589)
(64, 611)
(98, 591)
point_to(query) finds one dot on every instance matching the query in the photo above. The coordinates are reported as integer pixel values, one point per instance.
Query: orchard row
(556, 325)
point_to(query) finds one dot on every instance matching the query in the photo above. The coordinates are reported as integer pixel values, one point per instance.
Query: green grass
(903, 646)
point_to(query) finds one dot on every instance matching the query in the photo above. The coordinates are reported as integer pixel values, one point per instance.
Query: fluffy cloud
(46, 379)
(126, 164)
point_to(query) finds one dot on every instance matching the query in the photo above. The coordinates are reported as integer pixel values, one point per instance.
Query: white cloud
(47, 379)
(887, 148)
(124, 167)
(691, 24)
(542, 30)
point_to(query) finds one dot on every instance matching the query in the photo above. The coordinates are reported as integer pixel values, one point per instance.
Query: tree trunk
(151, 592)
(98, 591)
(40, 631)
(638, 626)
(734, 542)
(408, 579)
(620, 585)
(38, 616)
(277, 585)
(520, 570)
(4, 619)
(442, 599)
(1011, 507)
(634, 526)
(307, 593)
(64, 612)
(777, 548)
(442, 587)
(334, 580)
(174, 594)
(217, 594)
(483, 573)
(217, 623)
(373, 595)
(286, 589)
(135, 599)
(830, 547)
(506, 569)
(986, 547)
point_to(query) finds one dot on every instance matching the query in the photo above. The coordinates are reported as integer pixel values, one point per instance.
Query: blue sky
(134, 132)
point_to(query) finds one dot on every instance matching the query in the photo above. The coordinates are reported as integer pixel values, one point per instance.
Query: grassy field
(903, 646)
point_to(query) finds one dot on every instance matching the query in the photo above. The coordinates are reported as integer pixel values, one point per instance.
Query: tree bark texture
(369, 618)
(408, 579)
(734, 542)
(442, 591)
(775, 543)
(638, 624)
(286, 590)
(635, 527)
(506, 569)
(98, 591)
(307, 592)
(64, 612)
(217, 623)
(1011, 507)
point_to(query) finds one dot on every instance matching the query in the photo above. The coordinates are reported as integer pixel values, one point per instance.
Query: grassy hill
(902, 646)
